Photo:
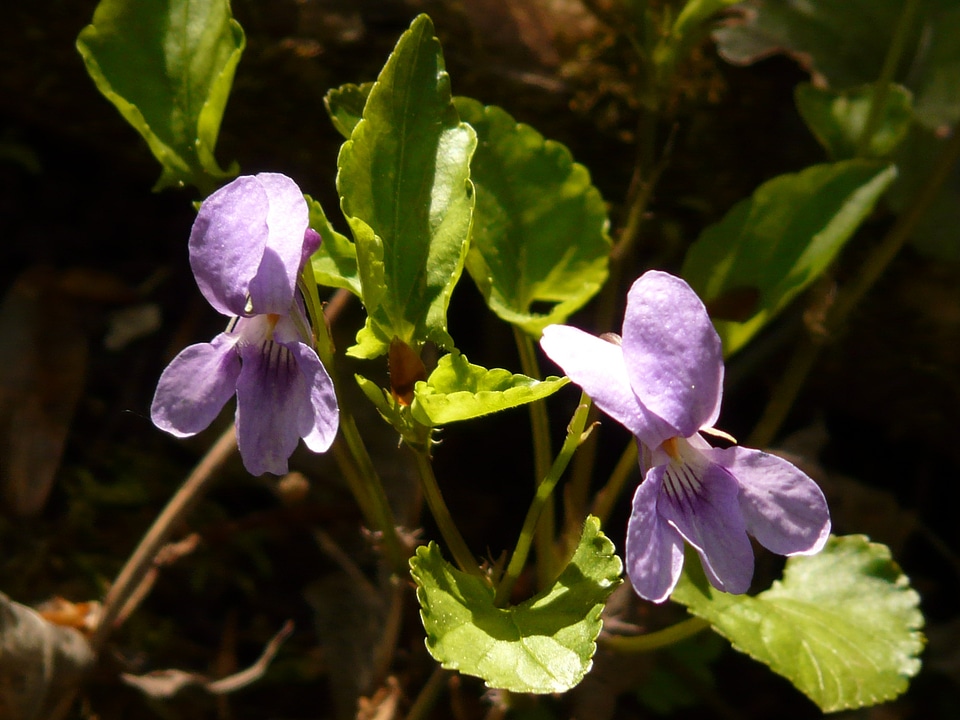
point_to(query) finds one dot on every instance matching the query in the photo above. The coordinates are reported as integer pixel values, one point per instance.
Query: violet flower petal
(227, 243)
(597, 366)
(321, 417)
(195, 386)
(311, 243)
(674, 356)
(654, 548)
(271, 395)
(272, 288)
(783, 508)
(710, 520)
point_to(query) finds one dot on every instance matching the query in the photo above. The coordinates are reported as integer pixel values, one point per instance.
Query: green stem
(541, 501)
(364, 483)
(882, 86)
(803, 360)
(354, 460)
(427, 698)
(441, 515)
(607, 497)
(542, 454)
(654, 641)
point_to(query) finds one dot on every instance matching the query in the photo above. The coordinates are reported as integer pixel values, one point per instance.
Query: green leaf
(772, 245)
(167, 65)
(544, 645)
(404, 183)
(837, 119)
(458, 390)
(540, 227)
(843, 626)
(335, 263)
(845, 44)
(687, 30)
(345, 106)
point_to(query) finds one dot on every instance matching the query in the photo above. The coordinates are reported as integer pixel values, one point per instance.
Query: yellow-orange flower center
(671, 446)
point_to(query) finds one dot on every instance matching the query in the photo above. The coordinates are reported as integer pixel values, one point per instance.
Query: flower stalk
(575, 436)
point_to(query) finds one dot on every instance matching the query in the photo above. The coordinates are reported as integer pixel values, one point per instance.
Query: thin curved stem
(139, 563)
(349, 450)
(575, 436)
(608, 495)
(648, 642)
(542, 456)
(887, 74)
(441, 515)
(364, 483)
(429, 694)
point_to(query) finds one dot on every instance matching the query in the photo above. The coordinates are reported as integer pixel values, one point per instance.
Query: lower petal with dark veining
(702, 504)
(654, 548)
(272, 400)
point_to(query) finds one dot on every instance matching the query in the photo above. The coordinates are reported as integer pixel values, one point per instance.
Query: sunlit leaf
(168, 65)
(543, 645)
(843, 626)
(539, 246)
(837, 119)
(404, 183)
(335, 263)
(846, 43)
(458, 390)
(782, 238)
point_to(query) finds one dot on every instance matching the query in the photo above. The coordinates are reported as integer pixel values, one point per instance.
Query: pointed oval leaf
(404, 183)
(843, 625)
(167, 66)
(458, 390)
(837, 119)
(778, 241)
(544, 645)
(540, 227)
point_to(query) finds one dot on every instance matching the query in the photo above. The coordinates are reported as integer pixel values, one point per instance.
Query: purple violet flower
(248, 246)
(664, 383)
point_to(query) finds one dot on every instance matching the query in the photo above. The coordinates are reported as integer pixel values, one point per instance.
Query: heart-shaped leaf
(539, 246)
(458, 390)
(843, 625)
(168, 65)
(543, 645)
